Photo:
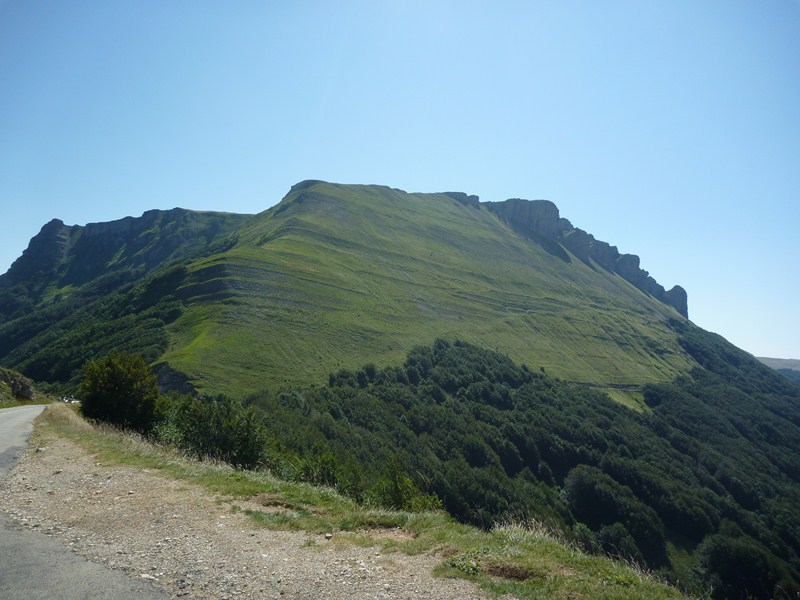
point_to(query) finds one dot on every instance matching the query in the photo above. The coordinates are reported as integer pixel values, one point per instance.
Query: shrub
(738, 567)
(396, 490)
(220, 428)
(120, 389)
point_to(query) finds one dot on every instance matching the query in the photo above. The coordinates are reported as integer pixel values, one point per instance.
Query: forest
(701, 487)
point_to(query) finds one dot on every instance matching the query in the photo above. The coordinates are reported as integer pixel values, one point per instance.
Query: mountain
(332, 276)
(789, 364)
(788, 367)
(482, 355)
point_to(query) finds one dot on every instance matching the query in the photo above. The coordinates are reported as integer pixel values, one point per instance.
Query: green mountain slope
(79, 292)
(335, 275)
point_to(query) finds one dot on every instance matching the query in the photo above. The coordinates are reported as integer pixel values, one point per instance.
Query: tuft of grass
(527, 560)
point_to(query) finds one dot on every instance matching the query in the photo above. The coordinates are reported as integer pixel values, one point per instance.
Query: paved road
(36, 567)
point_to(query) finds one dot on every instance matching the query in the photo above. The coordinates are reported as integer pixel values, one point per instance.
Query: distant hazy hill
(781, 363)
(788, 367)
(332, 276)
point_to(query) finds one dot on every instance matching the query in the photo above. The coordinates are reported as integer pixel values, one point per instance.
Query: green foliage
(53, 343)
(598, 500)
(515, 560)
(396, 490)
(739, 568)
(617, 541)
(585, 538)
(220, 428)
(114, 292)
(496, 441)
(120, 389)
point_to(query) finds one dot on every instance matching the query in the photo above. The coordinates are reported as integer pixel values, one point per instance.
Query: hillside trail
(194, 544)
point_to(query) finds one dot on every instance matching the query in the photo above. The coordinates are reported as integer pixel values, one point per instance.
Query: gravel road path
(192, 544)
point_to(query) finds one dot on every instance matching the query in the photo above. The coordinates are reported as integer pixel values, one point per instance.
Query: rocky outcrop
(110, 253)
(20, 386)
(678, 298)
(540, 219)
(43, 256)
(536, 217)
(170, 380)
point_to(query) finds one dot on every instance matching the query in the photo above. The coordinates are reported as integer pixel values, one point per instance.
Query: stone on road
(34, 566)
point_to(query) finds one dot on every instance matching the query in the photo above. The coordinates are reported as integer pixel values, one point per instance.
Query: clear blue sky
(670, 129)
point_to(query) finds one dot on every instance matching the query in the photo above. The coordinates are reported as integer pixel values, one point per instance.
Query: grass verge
(525, 560)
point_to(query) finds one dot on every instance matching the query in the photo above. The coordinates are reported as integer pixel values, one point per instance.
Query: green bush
(396, 490)
(739, 568)
(120, 389)
(220, 428)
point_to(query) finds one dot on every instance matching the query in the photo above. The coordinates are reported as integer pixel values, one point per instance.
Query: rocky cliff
(540, 219)
(19, 386)
(108, 254)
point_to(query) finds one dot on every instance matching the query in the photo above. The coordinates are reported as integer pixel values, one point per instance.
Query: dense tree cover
(791, 374)
(52, 343)
(120, 389)
(712, 467)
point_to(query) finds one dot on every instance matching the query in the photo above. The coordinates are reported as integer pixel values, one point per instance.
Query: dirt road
(195, 545)
(34, 566)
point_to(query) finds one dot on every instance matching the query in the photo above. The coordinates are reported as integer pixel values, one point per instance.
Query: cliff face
(17, 384)
(540, 218)
(107, 255)
(44, 254)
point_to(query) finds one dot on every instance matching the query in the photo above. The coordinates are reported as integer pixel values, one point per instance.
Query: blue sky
(669, 129)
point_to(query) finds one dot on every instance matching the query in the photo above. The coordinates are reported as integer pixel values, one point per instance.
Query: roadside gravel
(194, 545)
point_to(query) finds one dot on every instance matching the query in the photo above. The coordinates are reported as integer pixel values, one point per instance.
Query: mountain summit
(331, 276)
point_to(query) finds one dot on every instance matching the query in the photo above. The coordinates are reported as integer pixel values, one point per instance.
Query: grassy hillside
(335, 275)
(79, 292)
(331, 277)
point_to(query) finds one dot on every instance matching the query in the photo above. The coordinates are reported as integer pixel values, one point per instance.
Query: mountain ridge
(332, 274)
(541, 217)
(788, 367)
(61, 251)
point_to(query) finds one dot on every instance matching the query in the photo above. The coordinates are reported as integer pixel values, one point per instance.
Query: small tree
(397, 491)
(120, 389)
